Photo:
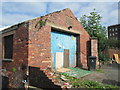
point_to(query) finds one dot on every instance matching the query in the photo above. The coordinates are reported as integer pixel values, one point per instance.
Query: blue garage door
(60, 42)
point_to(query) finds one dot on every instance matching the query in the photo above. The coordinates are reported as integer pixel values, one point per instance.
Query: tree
(92, 24)
(113, 43)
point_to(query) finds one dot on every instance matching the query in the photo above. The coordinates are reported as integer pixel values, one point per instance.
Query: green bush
(93, 85)
(113, 43)
(89, 84)
(103, 57)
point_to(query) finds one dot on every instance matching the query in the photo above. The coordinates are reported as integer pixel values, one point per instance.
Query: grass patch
(92, 84)
(57, 78)
(99, 70)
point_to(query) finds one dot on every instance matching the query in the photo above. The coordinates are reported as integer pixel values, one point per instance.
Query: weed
(14, 69)
(99, 70)
(57, 78)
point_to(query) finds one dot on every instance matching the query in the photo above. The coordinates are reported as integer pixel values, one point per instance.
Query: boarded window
(8, 47)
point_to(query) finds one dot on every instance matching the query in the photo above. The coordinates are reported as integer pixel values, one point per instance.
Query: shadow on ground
(111, 82)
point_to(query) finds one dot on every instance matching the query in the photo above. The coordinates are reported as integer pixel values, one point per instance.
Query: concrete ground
(110, 75)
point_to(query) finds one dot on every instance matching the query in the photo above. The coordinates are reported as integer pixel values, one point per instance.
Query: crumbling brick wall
(39, 45)
(32, 45)
(40, 37)
(39, 55)
(16, 69)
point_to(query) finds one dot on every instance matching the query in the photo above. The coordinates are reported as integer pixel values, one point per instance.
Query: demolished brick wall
(20, 57)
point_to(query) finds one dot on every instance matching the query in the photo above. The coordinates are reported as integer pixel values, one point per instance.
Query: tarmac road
(110, 75)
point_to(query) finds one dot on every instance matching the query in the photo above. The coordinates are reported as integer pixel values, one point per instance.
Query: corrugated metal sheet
(61, 41)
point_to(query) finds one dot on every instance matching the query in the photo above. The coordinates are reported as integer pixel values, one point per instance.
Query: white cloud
(74, 6)
(108, 11)
(17, 12)
(1, 15)
(119, 16)
(55, 6)
(11, 19)
(58, 6)
(60, 0)
(113, 17)
(25, 7)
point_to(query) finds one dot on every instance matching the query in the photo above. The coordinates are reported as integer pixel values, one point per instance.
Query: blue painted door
(61, 41)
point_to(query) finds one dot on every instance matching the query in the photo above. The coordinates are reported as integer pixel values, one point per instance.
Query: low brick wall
(111, 52)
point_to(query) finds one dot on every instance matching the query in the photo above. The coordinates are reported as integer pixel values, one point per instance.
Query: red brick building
(28, 44)
(114, 31)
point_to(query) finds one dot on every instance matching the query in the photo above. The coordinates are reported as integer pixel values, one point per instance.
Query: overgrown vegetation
(41, 22)
(103, 57)
(91, 84)
(14, 69)
(113, 43)
(92, 24)
(99, 70)
(78, 83)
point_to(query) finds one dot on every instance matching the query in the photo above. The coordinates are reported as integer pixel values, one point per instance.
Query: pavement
(110, 75)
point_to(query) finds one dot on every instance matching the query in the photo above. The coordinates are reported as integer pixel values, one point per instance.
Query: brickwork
(111, 52)
(39, 39)
(39, 45)
(60, 18)
(32, 45)
(94, 49)
(39, 36)
(94, 46)
(20, 57)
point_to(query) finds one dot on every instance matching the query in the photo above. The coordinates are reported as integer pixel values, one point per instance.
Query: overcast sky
(15, 12)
